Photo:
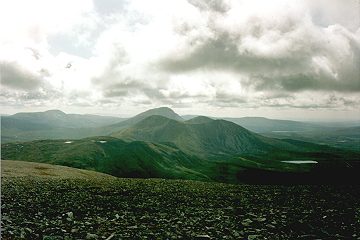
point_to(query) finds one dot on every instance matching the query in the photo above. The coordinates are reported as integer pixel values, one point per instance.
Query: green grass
(165, 160)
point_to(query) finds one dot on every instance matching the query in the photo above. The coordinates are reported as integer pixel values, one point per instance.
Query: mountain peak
(55, 111)
(161, 111)
(199, 120)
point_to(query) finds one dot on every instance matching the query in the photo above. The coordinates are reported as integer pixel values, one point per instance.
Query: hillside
(206, 137)
(108, 155)
(11, 169)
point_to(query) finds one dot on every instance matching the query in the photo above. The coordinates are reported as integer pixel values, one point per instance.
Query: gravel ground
(40, 206)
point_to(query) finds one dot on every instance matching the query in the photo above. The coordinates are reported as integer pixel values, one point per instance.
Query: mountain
(201, 149)
(55, 124)
(162, 111)
(264, 125)
(49, 124)
(58, 119)
(219, 139)
(346, 138)
(199, 120)
(165, 160)
(188, 117)
(211, 137)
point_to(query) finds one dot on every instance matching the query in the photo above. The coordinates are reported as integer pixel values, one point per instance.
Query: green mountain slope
(15, 169)
(162, 111)
(108, 155)
(204, 136)
(225, 142)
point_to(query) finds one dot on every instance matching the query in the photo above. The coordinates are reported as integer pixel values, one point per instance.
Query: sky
(278, 59)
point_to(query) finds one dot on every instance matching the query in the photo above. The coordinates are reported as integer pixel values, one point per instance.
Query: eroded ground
(36, 206)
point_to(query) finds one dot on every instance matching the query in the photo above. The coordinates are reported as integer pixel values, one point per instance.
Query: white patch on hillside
(299, 162)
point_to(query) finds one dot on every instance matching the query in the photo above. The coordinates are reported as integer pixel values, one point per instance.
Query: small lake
(300, 162)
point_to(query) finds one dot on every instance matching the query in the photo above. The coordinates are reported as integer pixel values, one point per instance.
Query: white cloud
(245, 54)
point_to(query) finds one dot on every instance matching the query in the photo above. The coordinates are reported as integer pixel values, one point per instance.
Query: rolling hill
(15, 169)
(108, 155)
(263, 125)
(198, 137)
(162, 111)
(56, 119)
(206, 137)
(55, 124)
(52, 124)
(159, 143)
(344, 137)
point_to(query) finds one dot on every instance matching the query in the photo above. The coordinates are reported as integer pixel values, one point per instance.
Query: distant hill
(51, 124)
(57, 119)
(162, 111)
(199, 120)
(55, 124)
(188, 117)
(264, 125)
(345, 137)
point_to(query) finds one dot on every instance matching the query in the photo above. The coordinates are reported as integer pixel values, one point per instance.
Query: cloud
(289, 52)
(228, 53)
(220, 54)
(13, 76)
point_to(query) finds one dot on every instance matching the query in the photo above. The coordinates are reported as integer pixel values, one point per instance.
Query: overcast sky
(278, 59)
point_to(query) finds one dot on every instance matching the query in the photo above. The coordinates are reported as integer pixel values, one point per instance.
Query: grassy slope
(116, 157)
(205, 138)
(10, 169)
(221, 139)
(201, 148)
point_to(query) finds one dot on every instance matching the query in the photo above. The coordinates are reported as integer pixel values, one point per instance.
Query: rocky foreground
(41, 201)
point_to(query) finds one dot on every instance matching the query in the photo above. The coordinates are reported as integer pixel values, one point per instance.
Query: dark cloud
(222, 54)
(211, 5)
(296, 70)
(15, 77)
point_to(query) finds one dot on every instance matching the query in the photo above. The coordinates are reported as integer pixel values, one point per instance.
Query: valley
(159, 143)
